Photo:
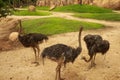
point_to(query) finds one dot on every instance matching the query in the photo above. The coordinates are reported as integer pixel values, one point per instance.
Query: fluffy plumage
(95, 44)
(62, 54)
(29, 40)
(55, 51)
(32, 39)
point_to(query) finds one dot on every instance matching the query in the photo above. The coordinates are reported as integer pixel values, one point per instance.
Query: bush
(4, 9)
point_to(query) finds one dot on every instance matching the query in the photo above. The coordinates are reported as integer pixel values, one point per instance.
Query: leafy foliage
(7, 5)
(4, 9)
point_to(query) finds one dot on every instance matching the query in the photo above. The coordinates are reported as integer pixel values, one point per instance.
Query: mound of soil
(7, 25)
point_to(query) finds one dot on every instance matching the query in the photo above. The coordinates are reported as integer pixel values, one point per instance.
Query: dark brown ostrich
(32, 40)
(95, 44)
(62, 54)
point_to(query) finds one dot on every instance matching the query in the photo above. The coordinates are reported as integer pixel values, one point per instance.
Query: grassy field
(88, 11)
(50, 26)
(43, 8)
(75, 8)
(29, 13)
(100, 16)
(82, 9)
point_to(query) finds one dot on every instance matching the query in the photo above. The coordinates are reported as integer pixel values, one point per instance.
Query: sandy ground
(16, 64)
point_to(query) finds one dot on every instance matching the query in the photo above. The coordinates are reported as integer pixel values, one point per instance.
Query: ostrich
(30, 40)
(62, 54)
(95, 44)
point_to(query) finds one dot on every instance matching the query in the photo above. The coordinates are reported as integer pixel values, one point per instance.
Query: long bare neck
(20, 27)
(79, 37)
(79, 48)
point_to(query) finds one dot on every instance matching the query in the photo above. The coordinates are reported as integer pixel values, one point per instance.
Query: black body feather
(56, 51)
(31, 39)
(95, 44)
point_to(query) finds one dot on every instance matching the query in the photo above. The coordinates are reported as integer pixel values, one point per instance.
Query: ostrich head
(13, 36)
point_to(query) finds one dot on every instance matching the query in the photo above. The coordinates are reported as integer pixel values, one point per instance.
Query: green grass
(100, 16)
(46, 8)
(29, 13)
(50, 26)
(82, 9)
(42, 8)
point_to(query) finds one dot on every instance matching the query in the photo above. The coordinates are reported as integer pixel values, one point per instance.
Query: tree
(4, 9)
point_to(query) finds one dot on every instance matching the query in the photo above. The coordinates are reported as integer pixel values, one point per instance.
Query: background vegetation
(30, 13)
(82, 9)
(102, 16)
(7, 5)
(51, 26)
(56, 25)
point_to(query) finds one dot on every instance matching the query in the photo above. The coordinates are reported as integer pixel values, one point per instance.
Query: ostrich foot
(37, 63)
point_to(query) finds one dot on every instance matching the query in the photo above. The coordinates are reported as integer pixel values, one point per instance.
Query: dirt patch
(7, 45)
